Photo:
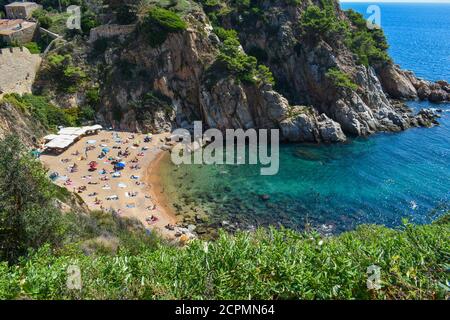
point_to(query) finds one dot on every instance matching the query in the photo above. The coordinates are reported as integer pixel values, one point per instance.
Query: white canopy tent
(50, 137)
(61, 142)
(73, 131)
(67, 136)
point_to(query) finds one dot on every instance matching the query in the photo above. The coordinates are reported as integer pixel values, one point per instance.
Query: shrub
(318, 23)
(159, 23)
(340, 79)
(267, 264)
(33, 47)
(88, 21)
(241, 65)
(42, 17)
(87, 113)
(225, 34)
(61, 69)
(49, 115)
(28, 218)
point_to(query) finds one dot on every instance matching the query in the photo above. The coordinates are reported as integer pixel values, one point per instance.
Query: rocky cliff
(17, 121)
(167, 74)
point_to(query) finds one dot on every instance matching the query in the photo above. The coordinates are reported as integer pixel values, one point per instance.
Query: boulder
(438, 96)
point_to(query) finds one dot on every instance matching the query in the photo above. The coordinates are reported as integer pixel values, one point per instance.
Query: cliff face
(300, 63)
(323, 91)
(15, 121)
(178, 70)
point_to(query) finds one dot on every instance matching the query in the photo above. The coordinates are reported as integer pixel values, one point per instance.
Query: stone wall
(18, 69)
(21, 10)
(110, 30)
(27, 34)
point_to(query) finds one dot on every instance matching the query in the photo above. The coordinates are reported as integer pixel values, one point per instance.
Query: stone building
(21, 10)
(17, 31)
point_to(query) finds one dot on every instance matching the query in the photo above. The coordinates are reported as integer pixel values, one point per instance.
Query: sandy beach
(134, 191)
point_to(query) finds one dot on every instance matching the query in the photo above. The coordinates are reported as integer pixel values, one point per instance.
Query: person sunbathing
(170, 227)
(152, 219)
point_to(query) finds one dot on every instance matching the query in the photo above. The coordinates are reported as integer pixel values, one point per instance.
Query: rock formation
(323, 92)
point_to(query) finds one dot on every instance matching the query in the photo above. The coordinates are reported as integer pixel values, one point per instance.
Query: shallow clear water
(380, 179)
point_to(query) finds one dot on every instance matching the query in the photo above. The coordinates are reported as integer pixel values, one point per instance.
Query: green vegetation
(28, 218)
(340, 79)
(318, 23)
(269, 264)
(369, 45)
(42, 16)
(149, 104)
(49, 115)
(125, 14)
(62, 69)
(235, 61)
(33, 47)
(89, 20)
(93, 96)
(159, 22)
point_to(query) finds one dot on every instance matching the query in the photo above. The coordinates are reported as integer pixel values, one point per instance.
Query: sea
(386, 179)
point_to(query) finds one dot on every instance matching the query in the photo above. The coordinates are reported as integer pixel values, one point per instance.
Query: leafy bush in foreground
(28, 218)
(369, 45)
(269, 264)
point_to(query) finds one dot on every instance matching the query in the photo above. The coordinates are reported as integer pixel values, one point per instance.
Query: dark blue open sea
(380, 179)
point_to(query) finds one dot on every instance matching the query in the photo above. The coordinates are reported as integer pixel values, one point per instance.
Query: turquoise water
(380, 179)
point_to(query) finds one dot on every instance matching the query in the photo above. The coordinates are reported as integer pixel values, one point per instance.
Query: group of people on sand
(102, 175)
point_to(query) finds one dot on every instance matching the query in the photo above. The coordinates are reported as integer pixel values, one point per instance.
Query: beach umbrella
(121, 164)
(35, 153)
(105, 150)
